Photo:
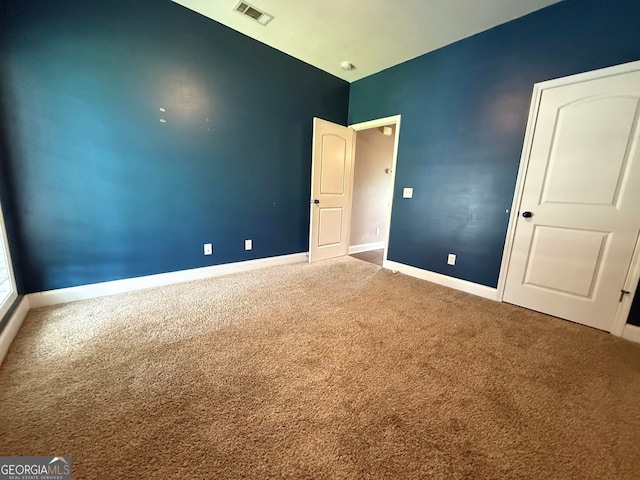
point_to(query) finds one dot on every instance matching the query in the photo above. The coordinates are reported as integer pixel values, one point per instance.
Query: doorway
(373, 160)
(340, 186)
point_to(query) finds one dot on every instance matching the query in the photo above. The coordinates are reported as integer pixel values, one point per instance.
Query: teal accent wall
(464, 112)
(94, 187)
(102, 189)
(634, 314)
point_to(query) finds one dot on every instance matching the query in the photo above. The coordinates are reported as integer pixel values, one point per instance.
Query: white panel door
(579, 217)
(331, 186)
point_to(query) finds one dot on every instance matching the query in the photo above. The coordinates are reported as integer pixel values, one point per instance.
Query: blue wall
(102, 189)
(95, 188)
(634, 314)
(464, 112)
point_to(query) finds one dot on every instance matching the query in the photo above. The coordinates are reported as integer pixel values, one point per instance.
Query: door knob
(527, 214)
(316, 201)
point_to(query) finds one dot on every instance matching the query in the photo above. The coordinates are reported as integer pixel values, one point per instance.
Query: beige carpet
(337, 370)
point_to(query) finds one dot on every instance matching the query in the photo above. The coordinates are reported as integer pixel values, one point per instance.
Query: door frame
(633, 275)
(6, 306)
(382, 122)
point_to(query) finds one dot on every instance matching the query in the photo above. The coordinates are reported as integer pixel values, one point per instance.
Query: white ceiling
(371, 34)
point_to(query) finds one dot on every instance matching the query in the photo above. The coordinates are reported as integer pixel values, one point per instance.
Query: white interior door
(331, 186)
(570, 258)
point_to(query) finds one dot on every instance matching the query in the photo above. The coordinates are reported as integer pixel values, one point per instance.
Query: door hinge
(622, 294)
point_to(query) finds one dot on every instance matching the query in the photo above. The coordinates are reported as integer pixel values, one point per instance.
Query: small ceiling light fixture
(347, 66)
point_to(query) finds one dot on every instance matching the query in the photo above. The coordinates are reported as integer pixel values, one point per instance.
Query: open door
(331, 185)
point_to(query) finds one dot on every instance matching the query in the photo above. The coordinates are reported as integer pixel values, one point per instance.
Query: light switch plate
(452, 259)
(407, 193)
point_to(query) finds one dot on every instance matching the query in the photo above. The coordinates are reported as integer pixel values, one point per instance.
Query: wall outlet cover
(208, 248)
(452, 259)
(248, 244)
(407, 193)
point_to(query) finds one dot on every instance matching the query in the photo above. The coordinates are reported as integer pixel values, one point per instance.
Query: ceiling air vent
(253, 13)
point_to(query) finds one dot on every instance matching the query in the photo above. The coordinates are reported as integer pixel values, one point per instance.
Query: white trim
(10, 330)
(365, 247)
(445, 280)
(381, 122)
(65, 295)
(634, 272)
(591, 75)
(4, 308)
(517, 195)
(631, 333)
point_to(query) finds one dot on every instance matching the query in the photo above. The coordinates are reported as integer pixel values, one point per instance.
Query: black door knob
(527, 214)
(316, 201)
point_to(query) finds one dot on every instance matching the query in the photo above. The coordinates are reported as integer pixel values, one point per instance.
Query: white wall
(371, 186)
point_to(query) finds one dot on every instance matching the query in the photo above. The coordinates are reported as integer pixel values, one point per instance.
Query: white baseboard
(463, 285)
(71, 294)
(365, 247)
(10, 330)
(631, 332)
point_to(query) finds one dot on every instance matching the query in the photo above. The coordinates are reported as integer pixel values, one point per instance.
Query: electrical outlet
(452, 259)
(248, 244)
(407, 193)
(377, 231)
(208, 248)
